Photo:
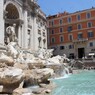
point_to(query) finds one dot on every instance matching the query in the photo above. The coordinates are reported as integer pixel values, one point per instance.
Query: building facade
(72, 34)
(30, 21)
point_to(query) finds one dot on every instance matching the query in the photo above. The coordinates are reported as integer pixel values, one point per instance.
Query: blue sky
(51, 7)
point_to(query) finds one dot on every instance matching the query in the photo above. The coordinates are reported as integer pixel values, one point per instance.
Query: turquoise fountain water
(78, 84)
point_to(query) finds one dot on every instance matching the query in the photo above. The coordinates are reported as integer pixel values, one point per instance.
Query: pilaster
(1, 22)
(20, 36)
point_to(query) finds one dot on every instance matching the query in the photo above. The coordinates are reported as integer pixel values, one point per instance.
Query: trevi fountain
(25, 72)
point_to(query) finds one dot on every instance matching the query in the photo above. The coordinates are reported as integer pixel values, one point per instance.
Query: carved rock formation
(10, 78)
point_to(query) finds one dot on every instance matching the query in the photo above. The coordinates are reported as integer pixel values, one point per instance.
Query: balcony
(82, 40)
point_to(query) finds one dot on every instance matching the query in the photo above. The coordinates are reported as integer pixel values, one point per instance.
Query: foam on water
(63, 77)
(33, 87)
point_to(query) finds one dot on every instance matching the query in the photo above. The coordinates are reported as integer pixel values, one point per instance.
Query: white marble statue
(45, 53)
(11, 49)
(11, 35)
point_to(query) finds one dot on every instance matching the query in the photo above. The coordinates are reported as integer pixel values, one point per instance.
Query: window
(52, 31)
(39, 32)
(52, 40)
(61, 38)
(79, 26)
(52, 23)
(89, 24)
(61, 29)
(44, 34)
(90, 34)
(49, 23)
(88, 15)
(78, 17)
(80, 36)
(69, 19)
(29, 32)
(70, 37)
(62, 47)
(71, 46)
(61, 21)
(69, 28)
(91, 44)
(39, 39)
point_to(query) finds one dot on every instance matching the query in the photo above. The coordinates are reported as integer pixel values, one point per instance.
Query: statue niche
(11, 35)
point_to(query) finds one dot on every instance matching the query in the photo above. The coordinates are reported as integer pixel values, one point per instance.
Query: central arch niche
(12, 12)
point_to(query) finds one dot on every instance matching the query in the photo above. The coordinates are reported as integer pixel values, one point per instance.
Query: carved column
(25, 43)
(20, 35)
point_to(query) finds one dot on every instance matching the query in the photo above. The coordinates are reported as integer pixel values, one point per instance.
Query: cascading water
(61, 72)
(66, 73)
